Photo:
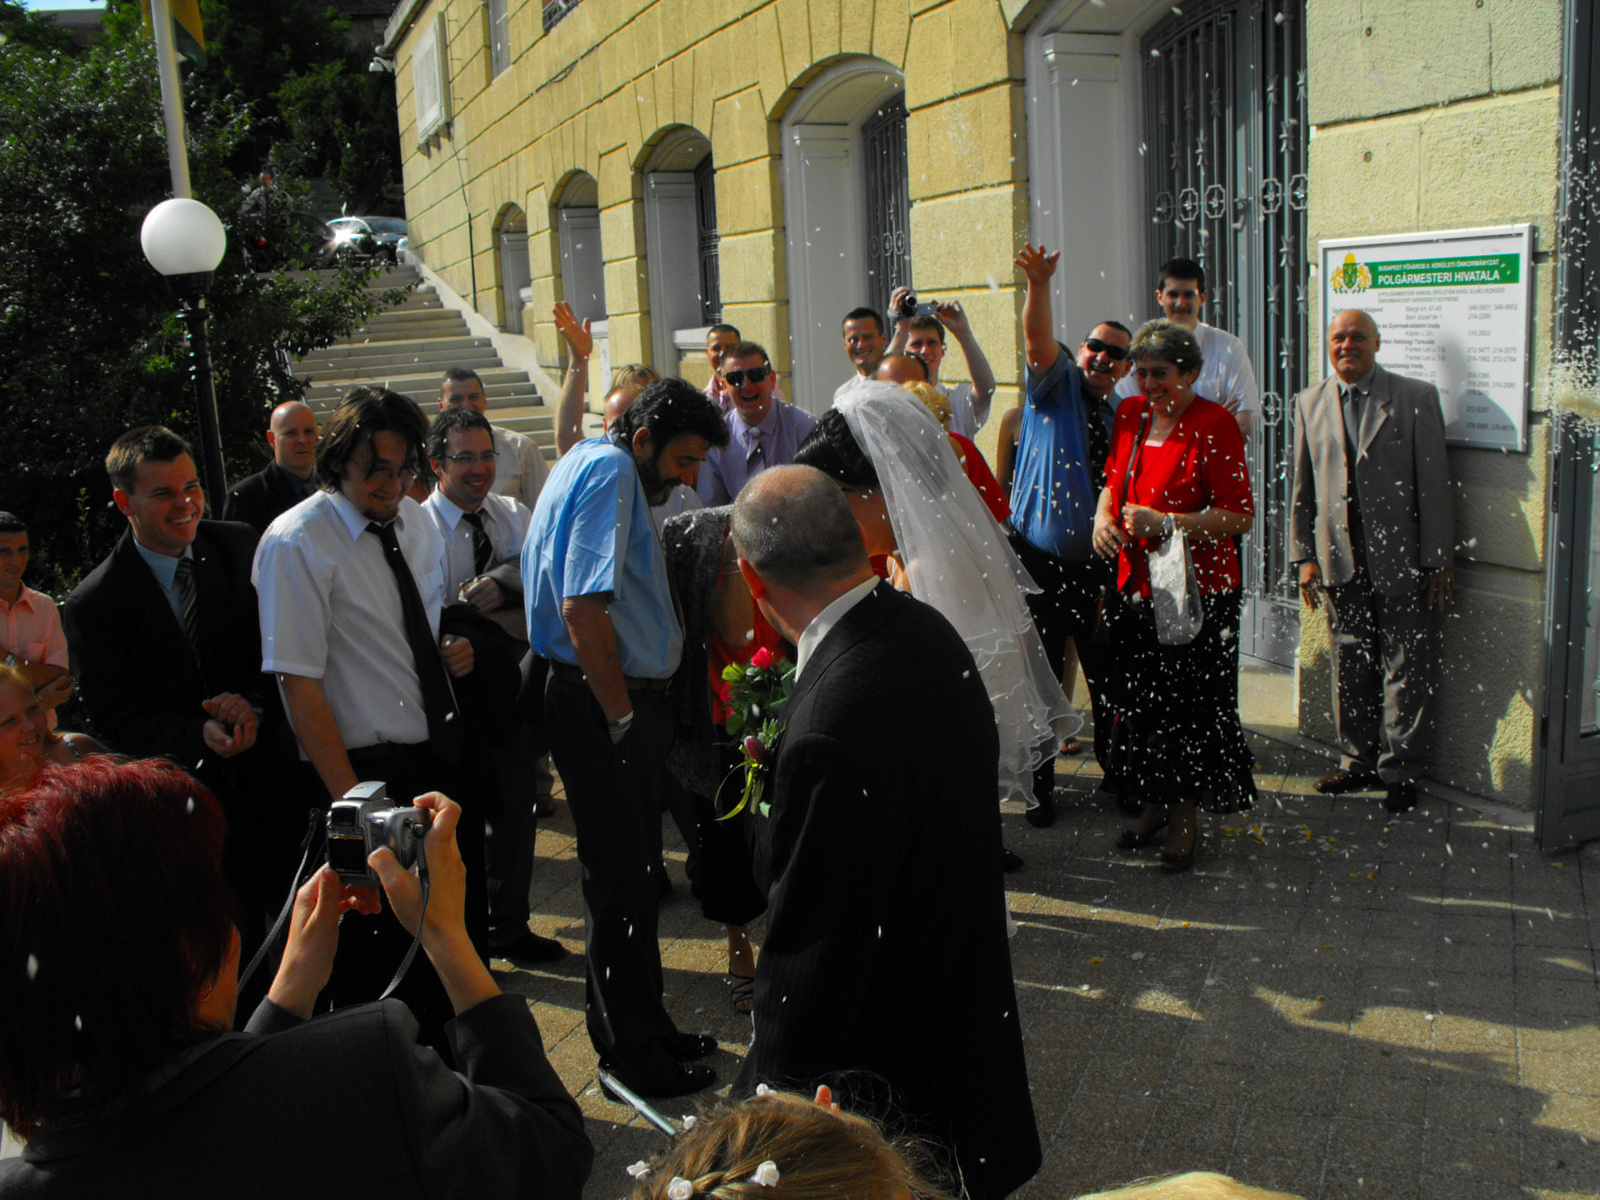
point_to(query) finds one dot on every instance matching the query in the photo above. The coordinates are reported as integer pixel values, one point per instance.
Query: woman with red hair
(119, 975)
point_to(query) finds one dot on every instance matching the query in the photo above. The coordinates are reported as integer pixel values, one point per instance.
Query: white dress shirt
(520, 470)
(1225, 374)
(844, 388)
(966, 415)
(505, 521)
(822, 624)
(681, 499)
(330, 610)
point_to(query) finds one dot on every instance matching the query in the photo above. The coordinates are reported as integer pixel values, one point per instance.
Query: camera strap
(315, 824)
(405, 963)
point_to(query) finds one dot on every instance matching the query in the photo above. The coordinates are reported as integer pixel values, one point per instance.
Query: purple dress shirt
(751, 450)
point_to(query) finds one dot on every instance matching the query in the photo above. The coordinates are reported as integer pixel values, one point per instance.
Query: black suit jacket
(257, 500)
(342, 1106)
(886, 945)
(133, 664)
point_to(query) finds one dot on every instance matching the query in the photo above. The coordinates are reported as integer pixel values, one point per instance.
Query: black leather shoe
(686, 1047)
(530, 948)
(1044, 815)
(1400, 797)
(681, 1081)
(1341, 782)
(1010, 861)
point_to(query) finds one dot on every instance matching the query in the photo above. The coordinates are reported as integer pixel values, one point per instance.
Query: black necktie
(445, 733)
(482, 550)
(189, 601)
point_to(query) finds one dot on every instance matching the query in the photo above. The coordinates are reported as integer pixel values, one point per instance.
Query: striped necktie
(482, 549)
(189, 601)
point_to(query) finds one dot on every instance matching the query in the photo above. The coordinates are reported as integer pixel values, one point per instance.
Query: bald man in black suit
(880, 849)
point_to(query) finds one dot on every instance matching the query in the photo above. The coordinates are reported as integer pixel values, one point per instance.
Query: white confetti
(766, 1174)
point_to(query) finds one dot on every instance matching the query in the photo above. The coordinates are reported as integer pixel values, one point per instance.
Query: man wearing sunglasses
(763, 431)
(1226, 375)
(1062, 444)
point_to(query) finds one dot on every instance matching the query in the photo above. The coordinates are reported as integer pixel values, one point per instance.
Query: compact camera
(910, 308)
(363, 822)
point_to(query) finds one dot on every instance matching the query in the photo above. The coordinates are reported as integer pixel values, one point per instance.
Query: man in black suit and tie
(166, 643)
(880, 849)
(286, 480)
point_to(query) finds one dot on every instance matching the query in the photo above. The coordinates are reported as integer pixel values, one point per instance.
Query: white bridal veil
(957, 560)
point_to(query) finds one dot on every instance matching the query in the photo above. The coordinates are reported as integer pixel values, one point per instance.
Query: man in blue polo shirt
(600, 609)
(1061, 463)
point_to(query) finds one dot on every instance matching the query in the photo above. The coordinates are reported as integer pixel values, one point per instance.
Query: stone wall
(1436, 115)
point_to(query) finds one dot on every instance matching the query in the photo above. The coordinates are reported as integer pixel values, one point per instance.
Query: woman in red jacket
(1177, 466)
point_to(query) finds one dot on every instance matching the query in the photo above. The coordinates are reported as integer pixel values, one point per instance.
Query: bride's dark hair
(831, 448)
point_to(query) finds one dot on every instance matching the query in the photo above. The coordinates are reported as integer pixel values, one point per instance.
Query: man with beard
(600, 610)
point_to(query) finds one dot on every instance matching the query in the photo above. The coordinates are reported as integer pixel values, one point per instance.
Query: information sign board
(1452, 308)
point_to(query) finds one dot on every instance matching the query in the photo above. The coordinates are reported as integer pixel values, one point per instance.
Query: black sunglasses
(755, 375)
(1113, 352)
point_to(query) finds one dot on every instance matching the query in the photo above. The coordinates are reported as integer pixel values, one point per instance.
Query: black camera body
(909, 308)
(362, 822)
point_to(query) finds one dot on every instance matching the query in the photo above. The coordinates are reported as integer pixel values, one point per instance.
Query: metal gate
(883, 149)
(705, 211)
(1225, 178)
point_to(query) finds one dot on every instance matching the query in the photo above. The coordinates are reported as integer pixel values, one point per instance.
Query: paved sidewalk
(1334, 1002)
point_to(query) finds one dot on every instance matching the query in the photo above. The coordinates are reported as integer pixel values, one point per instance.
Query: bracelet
(1169, 526)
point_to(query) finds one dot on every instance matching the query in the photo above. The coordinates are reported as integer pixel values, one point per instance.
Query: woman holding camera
(1177, 465)
(119, 974)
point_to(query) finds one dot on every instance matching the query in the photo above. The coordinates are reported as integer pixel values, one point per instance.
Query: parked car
(381, 238)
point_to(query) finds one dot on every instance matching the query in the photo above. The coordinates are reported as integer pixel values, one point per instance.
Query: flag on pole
(190, 38)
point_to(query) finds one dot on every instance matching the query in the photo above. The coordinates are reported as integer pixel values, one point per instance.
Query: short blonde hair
(634, 375)
(816, 1154)
(933, 398)
(1195, 1185)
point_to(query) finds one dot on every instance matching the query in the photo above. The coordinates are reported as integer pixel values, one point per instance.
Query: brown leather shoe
(1341, 782)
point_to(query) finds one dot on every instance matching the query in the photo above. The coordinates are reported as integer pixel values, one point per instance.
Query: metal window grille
(705, 211)
(499, 36)
(554, 10)
(883, 148)
(1225, 173)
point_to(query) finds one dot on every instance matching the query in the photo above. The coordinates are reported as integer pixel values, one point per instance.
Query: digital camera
(363, 822)
(910, 308)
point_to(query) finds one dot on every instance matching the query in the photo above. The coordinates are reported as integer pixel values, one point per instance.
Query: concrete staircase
(407, 347)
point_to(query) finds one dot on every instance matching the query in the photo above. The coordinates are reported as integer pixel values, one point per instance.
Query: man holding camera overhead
(920, 330)
(351, 588)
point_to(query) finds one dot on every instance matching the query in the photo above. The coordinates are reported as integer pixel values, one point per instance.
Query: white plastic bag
(1175, 592)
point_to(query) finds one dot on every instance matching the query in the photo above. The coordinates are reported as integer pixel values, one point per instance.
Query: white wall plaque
(1453, 308)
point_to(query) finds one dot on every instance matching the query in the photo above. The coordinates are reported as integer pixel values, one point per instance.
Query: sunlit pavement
(1334, 1002)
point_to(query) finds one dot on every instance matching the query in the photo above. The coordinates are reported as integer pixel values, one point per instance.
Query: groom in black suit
(881, 849)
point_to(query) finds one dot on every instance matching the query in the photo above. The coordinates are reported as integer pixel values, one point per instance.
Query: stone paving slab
(1334, 1002)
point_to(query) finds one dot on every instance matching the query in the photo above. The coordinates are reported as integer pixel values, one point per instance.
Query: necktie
(752, 442)
(1352, 414)
(445, 732)
(482, 550)
(189, 601)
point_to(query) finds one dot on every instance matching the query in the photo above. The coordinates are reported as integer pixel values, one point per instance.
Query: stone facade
(1425, 114)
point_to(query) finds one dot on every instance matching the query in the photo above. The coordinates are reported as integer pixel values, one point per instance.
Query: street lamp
(184, 240)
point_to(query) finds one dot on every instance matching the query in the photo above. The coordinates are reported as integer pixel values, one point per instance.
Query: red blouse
(982, 478)
(1200, 465)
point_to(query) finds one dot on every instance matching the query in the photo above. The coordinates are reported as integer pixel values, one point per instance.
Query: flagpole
(171, 96)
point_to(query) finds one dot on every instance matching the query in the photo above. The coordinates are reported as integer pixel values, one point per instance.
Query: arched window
(511, 245)
(583, 266)
(680, 224)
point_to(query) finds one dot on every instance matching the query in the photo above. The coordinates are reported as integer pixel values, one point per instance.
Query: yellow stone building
(773, 163)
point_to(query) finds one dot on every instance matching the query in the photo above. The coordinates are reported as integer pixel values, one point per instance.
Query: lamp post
(184, 240)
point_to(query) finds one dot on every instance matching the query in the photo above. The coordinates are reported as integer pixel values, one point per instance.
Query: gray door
(883, 155)
(1225, 161)
(1569, 792)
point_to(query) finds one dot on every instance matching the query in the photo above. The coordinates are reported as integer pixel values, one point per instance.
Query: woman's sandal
(742, 992)
(1151, 822)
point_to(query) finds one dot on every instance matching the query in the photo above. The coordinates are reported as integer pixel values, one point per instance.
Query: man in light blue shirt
(599, 608)
(763, 430)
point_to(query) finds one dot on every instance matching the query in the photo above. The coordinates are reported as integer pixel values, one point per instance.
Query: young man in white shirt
(924, 337)
(1226, 375)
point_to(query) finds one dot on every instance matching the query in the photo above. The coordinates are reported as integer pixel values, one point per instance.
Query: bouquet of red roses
(755, 695)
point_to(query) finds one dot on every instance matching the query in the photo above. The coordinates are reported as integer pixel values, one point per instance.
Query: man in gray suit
(1373, 533)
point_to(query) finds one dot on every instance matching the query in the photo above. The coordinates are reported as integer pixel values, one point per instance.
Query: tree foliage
(89, 343)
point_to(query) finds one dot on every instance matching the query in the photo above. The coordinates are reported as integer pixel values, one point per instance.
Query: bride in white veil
(955, 558)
